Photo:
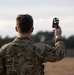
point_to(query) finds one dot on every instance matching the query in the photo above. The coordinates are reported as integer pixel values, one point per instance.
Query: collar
(19, 38)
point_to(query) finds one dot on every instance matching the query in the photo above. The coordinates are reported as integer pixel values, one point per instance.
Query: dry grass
(63, 67)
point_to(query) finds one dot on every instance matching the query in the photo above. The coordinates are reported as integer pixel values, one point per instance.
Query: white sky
(43, 11)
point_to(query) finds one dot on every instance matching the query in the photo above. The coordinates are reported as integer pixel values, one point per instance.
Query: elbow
(57, 58)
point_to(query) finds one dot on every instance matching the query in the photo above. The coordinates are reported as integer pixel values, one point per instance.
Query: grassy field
(63, 67)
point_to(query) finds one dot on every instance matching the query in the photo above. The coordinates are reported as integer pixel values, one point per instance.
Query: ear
(16, 28)
(32, 29)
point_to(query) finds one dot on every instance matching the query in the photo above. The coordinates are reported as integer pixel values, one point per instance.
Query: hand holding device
(57, 30)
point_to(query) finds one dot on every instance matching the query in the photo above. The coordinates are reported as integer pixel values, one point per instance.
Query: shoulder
(40, 45)
(4, 47)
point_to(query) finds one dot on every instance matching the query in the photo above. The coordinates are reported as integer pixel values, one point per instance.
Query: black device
(55, 23)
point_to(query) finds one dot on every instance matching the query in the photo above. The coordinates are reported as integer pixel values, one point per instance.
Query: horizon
(42, 11)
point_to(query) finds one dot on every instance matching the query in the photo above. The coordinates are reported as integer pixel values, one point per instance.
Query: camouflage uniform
(24, 57)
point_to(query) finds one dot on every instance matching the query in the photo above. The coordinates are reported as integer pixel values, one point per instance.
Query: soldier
(24, 57)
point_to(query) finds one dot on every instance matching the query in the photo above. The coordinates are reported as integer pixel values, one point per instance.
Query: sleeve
(2, 59)
(53, 54)
(2, 65)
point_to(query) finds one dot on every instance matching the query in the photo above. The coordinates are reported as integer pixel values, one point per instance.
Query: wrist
(57, 36)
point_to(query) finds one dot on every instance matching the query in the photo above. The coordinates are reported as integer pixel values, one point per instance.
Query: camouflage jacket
(24, 57)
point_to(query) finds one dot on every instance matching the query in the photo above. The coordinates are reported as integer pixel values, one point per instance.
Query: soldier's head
(24, 23)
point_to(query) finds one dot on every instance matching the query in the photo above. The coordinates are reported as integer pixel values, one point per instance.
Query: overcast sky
(43, 11)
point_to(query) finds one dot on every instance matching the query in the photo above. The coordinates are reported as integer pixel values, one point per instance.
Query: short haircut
(24, 23)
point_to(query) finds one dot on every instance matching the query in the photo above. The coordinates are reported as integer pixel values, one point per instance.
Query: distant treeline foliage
(44, 37)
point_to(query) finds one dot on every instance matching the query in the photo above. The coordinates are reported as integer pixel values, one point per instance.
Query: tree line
(44, 37)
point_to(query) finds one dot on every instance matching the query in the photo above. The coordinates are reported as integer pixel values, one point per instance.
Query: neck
(24, 35)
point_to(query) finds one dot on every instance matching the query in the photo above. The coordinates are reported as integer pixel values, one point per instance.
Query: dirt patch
(63, 67)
